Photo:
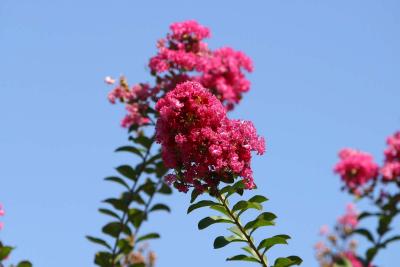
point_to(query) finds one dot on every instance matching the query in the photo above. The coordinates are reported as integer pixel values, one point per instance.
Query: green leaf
(371, 253)
(148, 236)
(5, 252)
(272, 241)
(103, 259)
(138, 265)
(200, 204)
(288, 261)
(98, 241)
(130, 149)
(242, 258)
(136, 217)
(258, 199)
(384, 222)
(117, 203)
(364, 232)
(114, 229)
(264, 219)
(207, 221)
(24, 264)
(165, 189)
(366, 214)
(235, 230)
(194, 195)
(391, 239)
(160, 207)
(243, 205)
(148, 187)
(117, 180)
(127, 171)
(220, 208)
(222, 241)
(144, 141)
(110, 213)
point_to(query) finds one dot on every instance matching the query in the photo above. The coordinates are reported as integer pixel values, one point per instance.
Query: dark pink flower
(390, 171)
(200, 141)
(356, 168)
(392, 152)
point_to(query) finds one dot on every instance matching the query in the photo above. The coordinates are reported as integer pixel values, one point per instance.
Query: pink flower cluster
(356, 168)
(1, 214)
(200, 142)
(391, 169)
(350, 219)
(136, 101)
(221, 71)
(184, 56)
(223, 74)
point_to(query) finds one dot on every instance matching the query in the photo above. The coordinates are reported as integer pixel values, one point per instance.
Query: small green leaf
(288, 261)
(371, 253)
(194, 195)
(222, 241)
(160, 207)
(258, 199)
(242, 258)
(264, 219)
(117, 203)
(272, 241)
(391, 239)
(117, 180)
(200, 204)
(24, 264)
(110, 213)
(148, 236)
(207, 221)
(364, 232)
(165, 189)
(98, 241)
(103, 259)
(130, 149)
(5, 252)
(245, 205)
(127, 171)
(114, 229)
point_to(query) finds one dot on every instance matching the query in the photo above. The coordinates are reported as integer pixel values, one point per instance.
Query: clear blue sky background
(327, 76)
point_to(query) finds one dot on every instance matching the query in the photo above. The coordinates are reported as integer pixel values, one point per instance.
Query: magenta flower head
(200, 143)
(356, 168)
(350, 219)
(1, 214)
(391, 169)
(224, 75)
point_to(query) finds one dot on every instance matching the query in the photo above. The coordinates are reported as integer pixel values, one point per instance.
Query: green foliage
(140, 184)
(242, 232)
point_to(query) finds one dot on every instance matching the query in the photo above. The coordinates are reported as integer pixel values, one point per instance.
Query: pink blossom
(200, 141)
(109, 80)
(188, 29)
(2, 213)
(170, 178)
(223, 75)
(355, 262)
(324, 230)
(390, 171)
(356, 168)
(350, 218)
(392, 152)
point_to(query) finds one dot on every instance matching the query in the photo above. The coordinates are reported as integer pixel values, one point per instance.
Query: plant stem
(146, 210)
(242, 230)
(125, 218)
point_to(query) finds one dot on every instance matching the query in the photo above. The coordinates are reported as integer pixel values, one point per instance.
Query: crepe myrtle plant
(210, 154)
(181, 56)
(5, 251)
(379, 186)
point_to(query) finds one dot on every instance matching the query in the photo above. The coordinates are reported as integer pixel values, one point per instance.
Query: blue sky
(326, 76)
